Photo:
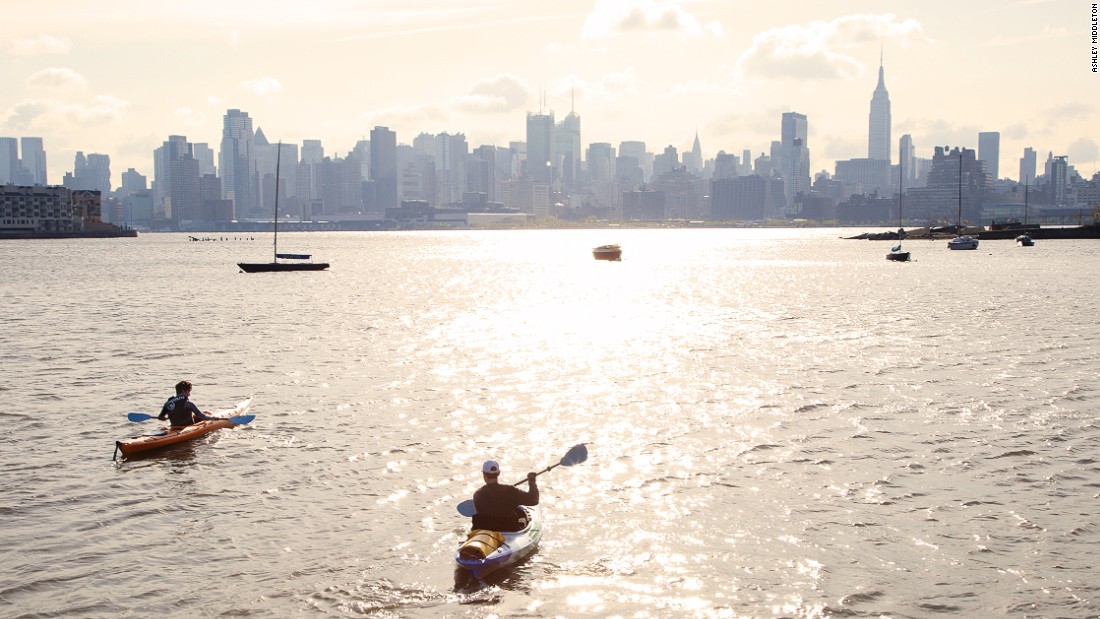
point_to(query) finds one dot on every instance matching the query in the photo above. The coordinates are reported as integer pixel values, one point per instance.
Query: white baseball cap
(490, 467)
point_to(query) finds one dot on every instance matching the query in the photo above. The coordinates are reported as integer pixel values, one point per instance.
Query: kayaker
(179, 409)
(497, 505)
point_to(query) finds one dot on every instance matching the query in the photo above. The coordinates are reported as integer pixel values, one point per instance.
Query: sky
(119, 77)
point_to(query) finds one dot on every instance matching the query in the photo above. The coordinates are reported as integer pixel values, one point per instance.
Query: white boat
(1025, 240)
(963, 242)
(484, 552)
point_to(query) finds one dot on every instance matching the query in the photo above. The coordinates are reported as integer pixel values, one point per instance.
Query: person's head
(491, 471)
(183, 387)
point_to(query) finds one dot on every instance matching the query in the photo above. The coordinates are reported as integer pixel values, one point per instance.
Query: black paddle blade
(576, 455)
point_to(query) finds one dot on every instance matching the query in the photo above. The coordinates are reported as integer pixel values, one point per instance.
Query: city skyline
(87, 79)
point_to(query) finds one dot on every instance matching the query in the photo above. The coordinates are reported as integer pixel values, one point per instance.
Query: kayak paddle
(576, 455)
(239, 420)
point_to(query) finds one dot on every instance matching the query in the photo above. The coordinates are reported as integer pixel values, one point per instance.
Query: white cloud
(818, 50)
(503, 93)
(44, 115)
(1083, 150)
(38, 46)
(56, 79)
(614, 17)
(263, 86)
(611, 87)
(190, 117)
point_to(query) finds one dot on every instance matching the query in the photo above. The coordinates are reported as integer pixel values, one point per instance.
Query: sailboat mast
(278, 160)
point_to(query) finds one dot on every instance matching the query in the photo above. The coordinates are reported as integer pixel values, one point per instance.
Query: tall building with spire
(878, 135)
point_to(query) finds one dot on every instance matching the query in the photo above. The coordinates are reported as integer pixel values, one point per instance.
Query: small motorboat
(963, 242)
(897, 255)
(607, 252)
(1025, 240)
(484, 551)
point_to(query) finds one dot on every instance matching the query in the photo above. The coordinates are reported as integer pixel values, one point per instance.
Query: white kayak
(514, 546)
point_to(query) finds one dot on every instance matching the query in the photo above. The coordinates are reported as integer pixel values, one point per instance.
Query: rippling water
(779, 423)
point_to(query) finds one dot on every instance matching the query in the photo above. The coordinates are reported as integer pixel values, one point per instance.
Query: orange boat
(176, 434)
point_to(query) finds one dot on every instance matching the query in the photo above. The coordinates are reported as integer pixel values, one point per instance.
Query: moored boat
(897, 254)
(963, 242)
(484, 552)
(607, 252)
(1025, 240)
(172, 435)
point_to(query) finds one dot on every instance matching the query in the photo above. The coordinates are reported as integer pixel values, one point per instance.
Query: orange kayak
(174, 434)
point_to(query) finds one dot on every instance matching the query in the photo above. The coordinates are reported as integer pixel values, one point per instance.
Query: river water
(780, 423)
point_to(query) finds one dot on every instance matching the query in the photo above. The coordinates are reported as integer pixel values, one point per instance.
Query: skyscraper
(540, 147)
(567, 137)
(34, 160)
(1027, 166)
(794, 155)
(9, 160)
(989, 151)
(878, 135)
(906, 160)
(236, 161)
(383, 166)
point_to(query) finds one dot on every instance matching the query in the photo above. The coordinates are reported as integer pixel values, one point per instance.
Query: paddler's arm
(531, 497)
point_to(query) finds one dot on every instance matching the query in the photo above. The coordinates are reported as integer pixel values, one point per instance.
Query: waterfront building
(644, 204)
(37, 208)
(989, 151)
(451, 152)
(878, 135)
(746, 198)
(237, 163)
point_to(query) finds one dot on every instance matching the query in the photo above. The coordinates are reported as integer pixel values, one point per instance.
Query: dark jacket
(497, 505)
(180, 411)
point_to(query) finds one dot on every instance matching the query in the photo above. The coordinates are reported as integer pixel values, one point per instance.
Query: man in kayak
(180, 410)
(498, 506)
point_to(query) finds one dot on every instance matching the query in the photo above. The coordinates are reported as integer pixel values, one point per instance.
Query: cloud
(1083, 150)
(503, 93)
(616, 17)
(39, 46)
(190, 117)
(56, 79)
(615, 86)
(262, 86)
(49, 114)
(818, 50)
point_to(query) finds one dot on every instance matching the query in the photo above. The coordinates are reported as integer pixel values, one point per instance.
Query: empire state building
(878, 137)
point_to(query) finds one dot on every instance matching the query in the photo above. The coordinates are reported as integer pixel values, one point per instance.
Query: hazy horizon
(120, 80)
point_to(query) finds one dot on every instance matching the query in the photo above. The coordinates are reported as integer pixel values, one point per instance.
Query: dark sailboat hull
(271, 267)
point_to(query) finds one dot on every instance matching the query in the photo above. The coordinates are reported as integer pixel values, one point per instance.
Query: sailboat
(962, 241)
(1025, 240)
(276, 265)
(896, 254)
